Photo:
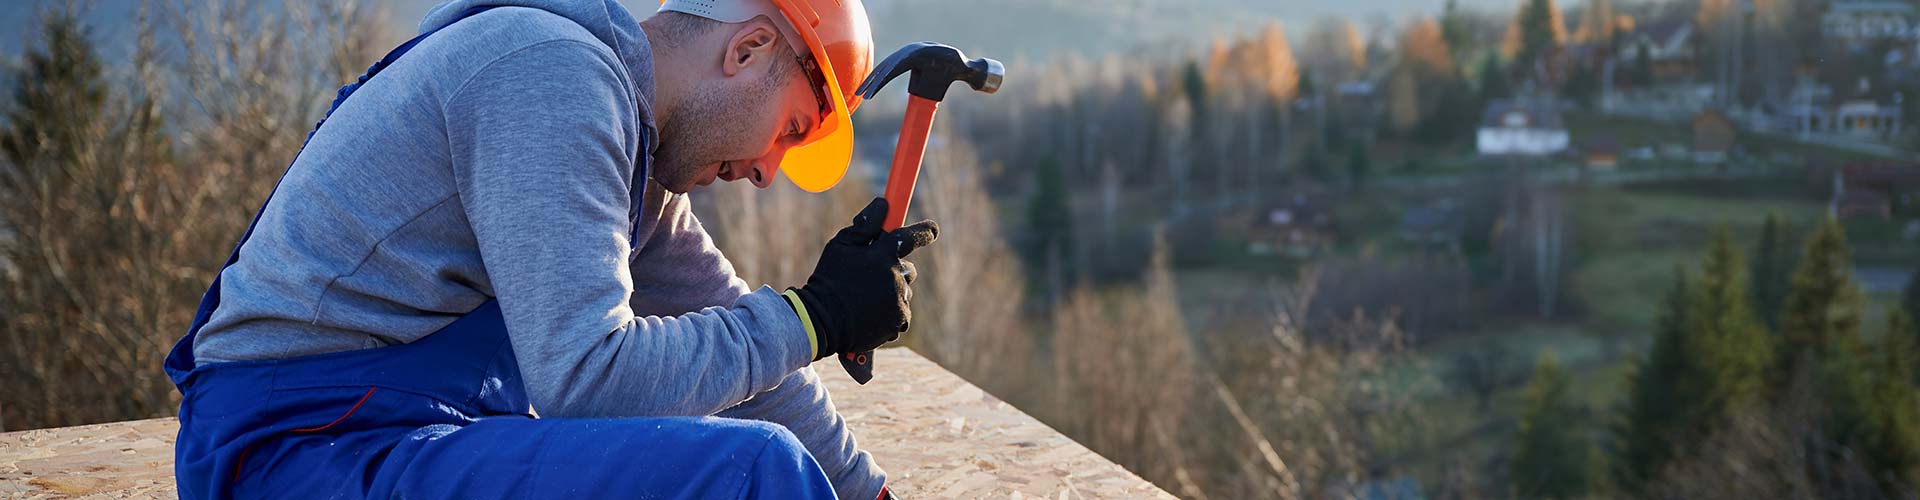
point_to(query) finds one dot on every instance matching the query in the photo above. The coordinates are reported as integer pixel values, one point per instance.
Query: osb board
(936, 435)
(117, 460)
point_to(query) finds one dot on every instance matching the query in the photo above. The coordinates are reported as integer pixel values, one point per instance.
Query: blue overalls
(446, 417)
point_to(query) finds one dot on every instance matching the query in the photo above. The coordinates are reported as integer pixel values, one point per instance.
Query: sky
(999, 28)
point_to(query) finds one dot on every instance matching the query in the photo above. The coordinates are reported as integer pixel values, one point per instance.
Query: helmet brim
(819, 165)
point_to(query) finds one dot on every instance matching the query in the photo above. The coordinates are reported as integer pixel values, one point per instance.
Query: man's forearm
(693, 364)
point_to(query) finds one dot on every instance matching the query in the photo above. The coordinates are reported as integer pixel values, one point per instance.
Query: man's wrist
(806, 321)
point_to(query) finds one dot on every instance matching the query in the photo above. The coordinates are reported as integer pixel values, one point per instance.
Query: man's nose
(762, 173)
(766, 166)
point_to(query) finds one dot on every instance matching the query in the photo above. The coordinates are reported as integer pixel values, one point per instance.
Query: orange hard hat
(836, 34)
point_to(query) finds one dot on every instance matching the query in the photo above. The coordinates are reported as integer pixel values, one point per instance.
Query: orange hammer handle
(906, 159)
(900, 180)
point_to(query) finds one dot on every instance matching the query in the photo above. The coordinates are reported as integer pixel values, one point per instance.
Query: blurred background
(1247, 249)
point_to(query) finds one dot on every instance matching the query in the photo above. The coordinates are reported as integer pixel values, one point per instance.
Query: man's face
(740, 127)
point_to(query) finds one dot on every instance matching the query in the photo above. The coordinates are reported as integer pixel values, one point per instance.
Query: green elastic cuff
(813, 338)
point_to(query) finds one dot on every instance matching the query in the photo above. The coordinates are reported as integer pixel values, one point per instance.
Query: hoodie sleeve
(680, 270)
(543, 142)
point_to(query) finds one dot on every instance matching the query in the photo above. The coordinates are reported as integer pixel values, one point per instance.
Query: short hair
(678, 27)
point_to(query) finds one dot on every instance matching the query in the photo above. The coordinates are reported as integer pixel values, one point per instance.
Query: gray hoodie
(498, 159)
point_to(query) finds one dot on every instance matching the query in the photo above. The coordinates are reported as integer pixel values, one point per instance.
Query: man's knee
(754, 436)
(779, 466)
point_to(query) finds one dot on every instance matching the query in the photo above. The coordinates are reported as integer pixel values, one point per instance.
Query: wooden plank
(116, 460)
(936, 435)
(941, 437)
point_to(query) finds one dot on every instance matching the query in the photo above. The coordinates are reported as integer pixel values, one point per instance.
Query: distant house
(1521, 127)
(1807, 108)
(1601, 153)
(1298, 227)
(1713, 136)
(1866, 119)
(1873, 189)
(1852, 204)
(1809, 111)
(1859, 22)
(1668, 43)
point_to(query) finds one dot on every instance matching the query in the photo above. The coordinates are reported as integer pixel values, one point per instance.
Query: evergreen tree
(1772, 268)
(1891, 441)
(1732, 348)
(1649, 432)
(1050, 219)
(1552, 458)
(1539, 33)
(1199, 150)
(1867, 391)
(1823, 308)
(1493, 81)
(58, 98)
(1456, 29)
(1901, 347)
(1910, 300)
(1874, 404)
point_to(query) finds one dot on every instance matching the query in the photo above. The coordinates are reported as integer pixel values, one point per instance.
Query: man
(494, 222)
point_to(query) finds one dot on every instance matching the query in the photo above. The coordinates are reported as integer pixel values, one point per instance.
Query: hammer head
(935, 67)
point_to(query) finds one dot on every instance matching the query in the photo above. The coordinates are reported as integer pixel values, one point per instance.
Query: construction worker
(494, 223)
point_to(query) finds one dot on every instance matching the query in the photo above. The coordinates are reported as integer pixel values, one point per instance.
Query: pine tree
(1892, 439)
(1772, 267)
(58, 97)
(1540, 32)
(1867, 391)
(1732, 348)
(1456, 29)
(1552, 458)
(1493, 81)
(1875, 404)
(1649, 432)
(1049, 217)
(1823, 308)
(1910, 301)
(1901, 347)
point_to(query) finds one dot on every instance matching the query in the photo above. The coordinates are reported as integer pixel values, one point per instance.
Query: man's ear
(752, 46)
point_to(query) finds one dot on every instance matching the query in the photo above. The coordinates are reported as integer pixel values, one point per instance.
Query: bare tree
(121, 209)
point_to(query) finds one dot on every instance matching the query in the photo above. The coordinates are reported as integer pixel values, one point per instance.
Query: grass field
(1626, 243)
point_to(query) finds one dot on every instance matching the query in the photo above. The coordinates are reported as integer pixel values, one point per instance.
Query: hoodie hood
(607, 20)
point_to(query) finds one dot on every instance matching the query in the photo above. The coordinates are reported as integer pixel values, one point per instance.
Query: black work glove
(858, 294)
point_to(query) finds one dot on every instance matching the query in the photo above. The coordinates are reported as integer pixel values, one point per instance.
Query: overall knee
(771, 446)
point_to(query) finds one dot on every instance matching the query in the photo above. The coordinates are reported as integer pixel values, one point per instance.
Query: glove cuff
(806, 321)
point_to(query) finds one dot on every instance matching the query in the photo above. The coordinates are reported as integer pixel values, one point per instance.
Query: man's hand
(857, 297)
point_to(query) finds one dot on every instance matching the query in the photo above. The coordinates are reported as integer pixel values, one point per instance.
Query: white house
(1858, 21)
(1521, 127)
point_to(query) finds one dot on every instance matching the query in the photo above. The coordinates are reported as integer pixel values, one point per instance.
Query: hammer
(935, 67)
